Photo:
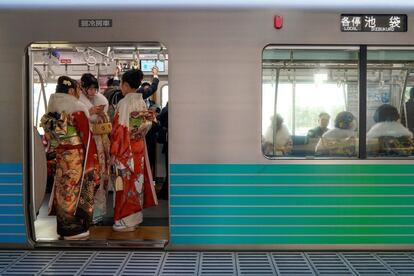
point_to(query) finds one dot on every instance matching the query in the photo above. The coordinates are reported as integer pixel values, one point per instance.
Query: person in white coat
(97, 105)
(340, 141)
(388, 136)
(277, 140)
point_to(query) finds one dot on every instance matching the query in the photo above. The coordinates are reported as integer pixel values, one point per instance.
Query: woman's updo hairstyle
(386, 113)
(88, 80)
(65, 83)
(133, 77)
(344, 120)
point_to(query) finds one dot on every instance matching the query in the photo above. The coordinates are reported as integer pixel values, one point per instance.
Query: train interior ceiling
(50, 61)
(309, 80)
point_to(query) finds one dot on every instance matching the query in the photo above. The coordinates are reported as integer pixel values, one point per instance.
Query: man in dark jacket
(318, 131)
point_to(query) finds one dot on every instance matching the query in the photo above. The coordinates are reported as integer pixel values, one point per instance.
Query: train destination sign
(373, 22)
(95, 23)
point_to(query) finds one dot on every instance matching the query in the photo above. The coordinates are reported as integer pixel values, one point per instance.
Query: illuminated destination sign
(373, 23)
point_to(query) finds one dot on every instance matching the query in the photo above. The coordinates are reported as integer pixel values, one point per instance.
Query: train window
(390, 102)
(310, 102)
(164, 96)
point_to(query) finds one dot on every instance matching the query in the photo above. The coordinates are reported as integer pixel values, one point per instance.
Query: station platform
(79, 262)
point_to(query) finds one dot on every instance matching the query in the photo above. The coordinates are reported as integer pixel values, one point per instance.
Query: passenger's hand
(154, 71)
(96, 109)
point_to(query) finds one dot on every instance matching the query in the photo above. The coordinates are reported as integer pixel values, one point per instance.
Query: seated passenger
(318, 131)
(341, 140)
(388, 136)
(278, 143)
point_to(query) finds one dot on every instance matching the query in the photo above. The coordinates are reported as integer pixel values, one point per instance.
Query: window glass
(164, 96)
(310, 102)
(390, 108)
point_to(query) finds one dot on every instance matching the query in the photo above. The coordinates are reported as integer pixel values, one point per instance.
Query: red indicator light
(278, 22)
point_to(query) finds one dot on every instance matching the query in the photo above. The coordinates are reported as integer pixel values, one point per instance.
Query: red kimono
(136, 190)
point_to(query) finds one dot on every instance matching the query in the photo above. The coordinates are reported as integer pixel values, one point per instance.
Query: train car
(239, 177)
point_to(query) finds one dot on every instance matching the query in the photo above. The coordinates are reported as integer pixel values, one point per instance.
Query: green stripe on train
(292, 230)
(290, 190)
(292, 168)
(293, 240)
(294, 200)
(291, 211)
(258, 221)
(291, 179)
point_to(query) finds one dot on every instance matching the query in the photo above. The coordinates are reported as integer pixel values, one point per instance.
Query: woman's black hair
(64, 83)
(344, 120)
(88, 80)
(133, 77)
(386, 113)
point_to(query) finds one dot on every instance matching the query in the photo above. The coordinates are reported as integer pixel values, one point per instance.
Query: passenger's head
(344, 120)
(386, 113)
(145, 86)
(324, 119)
(67, 85)
(277, 120)
(131, 80)
(89, 85)
(156, 108)
(112, 82)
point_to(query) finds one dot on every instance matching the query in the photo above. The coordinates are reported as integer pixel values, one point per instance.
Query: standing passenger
(76, 163)
(277, 141)
(97, 105)
(134, 187)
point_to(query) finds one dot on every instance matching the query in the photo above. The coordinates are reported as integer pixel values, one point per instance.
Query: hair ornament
(67, 83)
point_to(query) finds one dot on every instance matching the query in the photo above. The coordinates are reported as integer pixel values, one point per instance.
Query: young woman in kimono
(134, 186)
(76, 161)
(97, 105)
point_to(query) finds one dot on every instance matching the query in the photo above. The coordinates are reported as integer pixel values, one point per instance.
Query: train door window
(310, 102)
(47, 62)
(164, 96)
(390, 102)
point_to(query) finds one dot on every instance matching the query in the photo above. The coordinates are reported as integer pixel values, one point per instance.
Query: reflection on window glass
(310, 102)
(164, 96)
(390, 103)
(38, 102)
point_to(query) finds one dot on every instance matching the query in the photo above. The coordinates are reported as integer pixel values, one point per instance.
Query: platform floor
(204, 263)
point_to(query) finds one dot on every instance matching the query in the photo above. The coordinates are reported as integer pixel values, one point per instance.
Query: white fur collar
(394, 129)
(60, 102)
(98, 99)
(130, 103)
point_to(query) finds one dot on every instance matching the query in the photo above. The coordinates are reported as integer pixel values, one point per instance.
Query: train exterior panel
(224, 193)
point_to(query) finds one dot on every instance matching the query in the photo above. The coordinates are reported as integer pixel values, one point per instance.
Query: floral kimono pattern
(102, 146)
(75, 176)
(131, 122)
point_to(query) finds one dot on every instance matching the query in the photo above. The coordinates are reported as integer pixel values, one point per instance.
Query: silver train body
(224, 193)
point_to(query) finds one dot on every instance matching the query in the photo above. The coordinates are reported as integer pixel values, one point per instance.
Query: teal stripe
(292, 190)
(8, 199)
(252, 180)
(11, 189)
(291, 169)
(258, 221)
(12, 220)
(11, 178)
(13, 239)
(11, 168)
(297, 211)
(11, 210)
(304, 201)
(298, 240)
(231, 230)
(12, 229)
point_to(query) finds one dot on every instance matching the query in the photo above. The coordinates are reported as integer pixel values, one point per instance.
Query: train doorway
(106, 62)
